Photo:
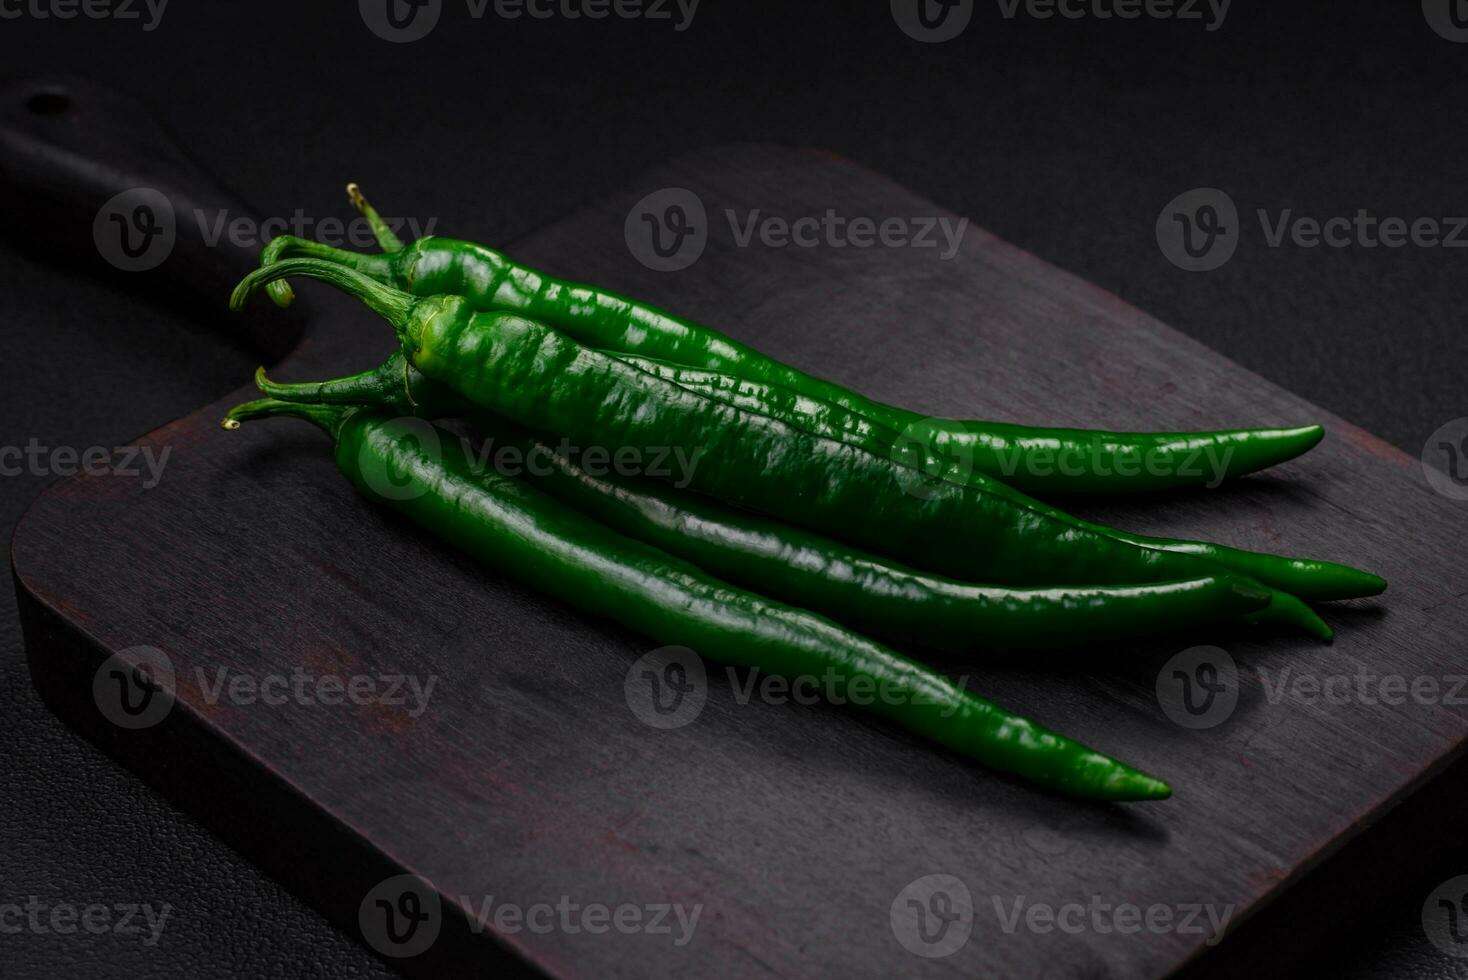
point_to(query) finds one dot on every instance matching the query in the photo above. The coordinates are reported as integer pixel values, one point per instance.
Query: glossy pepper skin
(861, 590)
(524, 371)
(524, 533)
(1306, 578)
(402, 389)
(1023, 456)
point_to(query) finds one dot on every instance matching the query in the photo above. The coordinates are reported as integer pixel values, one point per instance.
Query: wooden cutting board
(805, 837)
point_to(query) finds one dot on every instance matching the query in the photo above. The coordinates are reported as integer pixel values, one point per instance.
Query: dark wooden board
(794, 827)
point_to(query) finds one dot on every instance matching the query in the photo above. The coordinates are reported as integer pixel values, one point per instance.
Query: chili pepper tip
(1129, 785)
(1319, 628)
(1149, 788)
(1324, 580)
(1366, 584)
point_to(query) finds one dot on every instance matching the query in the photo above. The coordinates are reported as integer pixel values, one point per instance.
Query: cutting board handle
(89, 178)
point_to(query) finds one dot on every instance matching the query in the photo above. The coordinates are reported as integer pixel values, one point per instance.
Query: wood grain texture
(793, 827)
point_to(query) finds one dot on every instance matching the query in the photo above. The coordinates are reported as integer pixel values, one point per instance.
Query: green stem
(327, 417)
(283, 247)
(375, 386)
(392, 305)
(388, 241)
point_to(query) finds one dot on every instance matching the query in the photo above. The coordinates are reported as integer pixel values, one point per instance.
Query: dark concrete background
(1066, 137)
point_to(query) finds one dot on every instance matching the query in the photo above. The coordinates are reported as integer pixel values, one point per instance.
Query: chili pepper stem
(283, 247)
(389, 241)
(326, 417)
(392, 305)
(374, 386)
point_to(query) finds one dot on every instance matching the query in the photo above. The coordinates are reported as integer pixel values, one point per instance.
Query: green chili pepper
(1307, 578)
(815, 572)
(552, 547)
(689, 525)
(1011, 457)
(1111, 462)
(520, 369)
(863, 590)
(388, 383)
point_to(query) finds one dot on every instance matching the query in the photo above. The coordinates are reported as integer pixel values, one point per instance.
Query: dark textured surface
(248, 557)
(1064, 138)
